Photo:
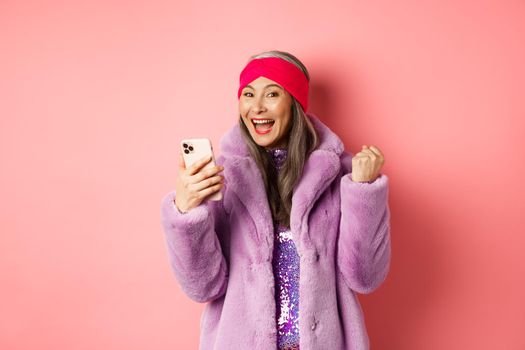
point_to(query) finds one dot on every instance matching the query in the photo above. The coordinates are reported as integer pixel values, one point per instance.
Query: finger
(361, 154)
(370, 153)
(376, 150)
(182, 165)
(198, 165)
(210, 190)
(203, 174)
(208, 182)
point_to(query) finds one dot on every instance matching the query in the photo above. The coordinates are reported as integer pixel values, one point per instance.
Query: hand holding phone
(198, 177)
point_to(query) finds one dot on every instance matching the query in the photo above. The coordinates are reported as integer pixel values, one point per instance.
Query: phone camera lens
(191, 148)
(185, 145)
(186, 151)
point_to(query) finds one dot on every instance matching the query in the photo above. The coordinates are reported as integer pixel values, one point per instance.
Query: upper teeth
(264, 121)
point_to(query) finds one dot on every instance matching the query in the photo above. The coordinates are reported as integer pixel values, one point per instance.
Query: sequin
(286, 272)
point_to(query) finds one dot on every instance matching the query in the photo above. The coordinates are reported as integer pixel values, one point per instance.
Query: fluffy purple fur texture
(221, 252)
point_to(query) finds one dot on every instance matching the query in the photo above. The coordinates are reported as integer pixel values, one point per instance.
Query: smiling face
(265, 108)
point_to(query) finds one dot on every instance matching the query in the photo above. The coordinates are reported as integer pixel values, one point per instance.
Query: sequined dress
(286, 271)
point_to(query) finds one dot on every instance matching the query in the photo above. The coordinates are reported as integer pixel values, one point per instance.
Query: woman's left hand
(367, 164)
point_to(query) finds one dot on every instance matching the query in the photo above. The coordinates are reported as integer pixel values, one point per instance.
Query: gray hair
(302, 140)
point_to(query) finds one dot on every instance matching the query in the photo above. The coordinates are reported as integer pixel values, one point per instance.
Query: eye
(273, 94)
(248, 94)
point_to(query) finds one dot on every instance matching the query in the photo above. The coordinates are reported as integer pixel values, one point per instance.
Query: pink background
(95, 96)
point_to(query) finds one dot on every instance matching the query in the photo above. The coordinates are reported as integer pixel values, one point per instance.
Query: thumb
(182, 165)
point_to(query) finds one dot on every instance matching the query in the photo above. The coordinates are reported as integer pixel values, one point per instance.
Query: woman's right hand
(194, 184)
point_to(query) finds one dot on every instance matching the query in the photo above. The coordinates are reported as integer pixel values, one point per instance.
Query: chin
(261, 143)
(269, 144)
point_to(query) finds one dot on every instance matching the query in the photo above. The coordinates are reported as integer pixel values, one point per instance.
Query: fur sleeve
(194, 249)
(363, 247)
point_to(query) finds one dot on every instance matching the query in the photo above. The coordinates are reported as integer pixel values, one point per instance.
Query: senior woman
(302, 227)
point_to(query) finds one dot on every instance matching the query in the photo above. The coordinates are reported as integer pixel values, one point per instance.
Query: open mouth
(262, 126)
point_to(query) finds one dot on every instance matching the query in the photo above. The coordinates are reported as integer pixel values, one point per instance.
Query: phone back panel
(196, 149)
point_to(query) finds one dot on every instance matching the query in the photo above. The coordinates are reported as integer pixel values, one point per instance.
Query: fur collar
(244, 179)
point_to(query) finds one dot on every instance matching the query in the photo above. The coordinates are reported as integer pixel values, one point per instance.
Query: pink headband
(286, 74)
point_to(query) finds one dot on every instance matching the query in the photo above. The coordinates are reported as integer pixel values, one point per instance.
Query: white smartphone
(195, 149)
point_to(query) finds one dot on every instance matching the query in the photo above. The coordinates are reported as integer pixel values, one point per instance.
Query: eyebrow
(267, 86)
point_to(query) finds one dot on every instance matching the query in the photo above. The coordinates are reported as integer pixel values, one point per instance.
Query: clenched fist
(367, 164)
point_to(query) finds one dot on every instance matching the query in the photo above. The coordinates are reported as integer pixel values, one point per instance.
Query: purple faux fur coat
(221, 252)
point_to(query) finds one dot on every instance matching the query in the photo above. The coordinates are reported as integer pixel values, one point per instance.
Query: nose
(258, 105)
